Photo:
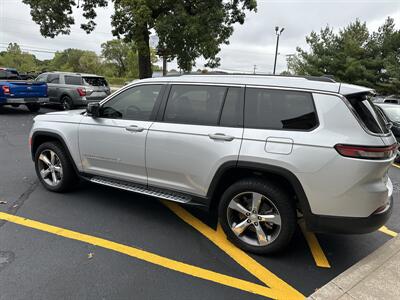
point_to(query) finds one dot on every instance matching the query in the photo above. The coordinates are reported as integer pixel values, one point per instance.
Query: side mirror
(93, 109)
(389, 125)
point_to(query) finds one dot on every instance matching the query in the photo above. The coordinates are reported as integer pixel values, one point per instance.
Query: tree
(187, 29)
(118, 53)
(353, 55)
(13, 57)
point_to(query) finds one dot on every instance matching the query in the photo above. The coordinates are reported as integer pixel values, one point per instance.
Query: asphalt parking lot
(101, 243)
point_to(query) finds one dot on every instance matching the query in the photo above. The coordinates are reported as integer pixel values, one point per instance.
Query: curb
(377, 276)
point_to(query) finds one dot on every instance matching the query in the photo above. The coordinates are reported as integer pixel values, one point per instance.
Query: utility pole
(254, 69)
(278, 34)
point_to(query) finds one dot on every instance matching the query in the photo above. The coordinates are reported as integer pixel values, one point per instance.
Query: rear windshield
(95, 81)
(368, 113)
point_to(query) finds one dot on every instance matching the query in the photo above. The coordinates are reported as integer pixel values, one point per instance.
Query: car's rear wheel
(53, 167)
(33, 107)
(67, 103)
(257, 216)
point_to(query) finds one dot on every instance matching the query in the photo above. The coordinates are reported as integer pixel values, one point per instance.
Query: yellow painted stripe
(386, 230)
(316, 250)
(280, 287)
(397, 166)
(148, 257)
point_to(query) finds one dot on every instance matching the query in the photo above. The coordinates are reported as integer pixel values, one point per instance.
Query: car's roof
(322, 84)
(74, 73)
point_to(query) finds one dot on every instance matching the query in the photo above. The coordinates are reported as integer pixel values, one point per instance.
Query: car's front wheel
(257, 216)
(53, 167)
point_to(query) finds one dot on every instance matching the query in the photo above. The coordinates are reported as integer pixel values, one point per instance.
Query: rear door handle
(134, 128)
(221, 137)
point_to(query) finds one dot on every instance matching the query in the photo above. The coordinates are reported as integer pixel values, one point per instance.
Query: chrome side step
(140, 189)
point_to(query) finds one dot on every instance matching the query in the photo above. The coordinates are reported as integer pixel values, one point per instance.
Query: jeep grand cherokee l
(260, 150)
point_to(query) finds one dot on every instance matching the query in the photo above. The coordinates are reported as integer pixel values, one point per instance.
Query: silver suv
(74, 89)
(260, 150)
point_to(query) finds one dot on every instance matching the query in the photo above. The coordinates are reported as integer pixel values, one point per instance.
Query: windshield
(393, 113)
(95, 81)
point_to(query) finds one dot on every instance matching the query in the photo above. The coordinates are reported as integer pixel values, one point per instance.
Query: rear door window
(368, 114)
(279, 109)
(232, 112)
(73, 80)
(195, 104)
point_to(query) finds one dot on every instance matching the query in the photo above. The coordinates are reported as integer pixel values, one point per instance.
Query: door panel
(114, 144)
(202, 129)
(109, 148)
(185, 157)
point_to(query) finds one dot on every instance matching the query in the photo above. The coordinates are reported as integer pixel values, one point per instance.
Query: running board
(122, 185)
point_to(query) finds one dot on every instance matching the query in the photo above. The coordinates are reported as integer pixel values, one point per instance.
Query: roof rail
(324, 78)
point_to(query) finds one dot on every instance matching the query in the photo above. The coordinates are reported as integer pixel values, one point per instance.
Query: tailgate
(27, 89)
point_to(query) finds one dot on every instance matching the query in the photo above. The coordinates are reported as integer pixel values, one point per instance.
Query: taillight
(81, 91)
(367, 152)
(6, 89)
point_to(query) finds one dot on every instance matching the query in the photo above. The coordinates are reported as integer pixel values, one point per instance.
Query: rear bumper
(26, 100)
(350, 225)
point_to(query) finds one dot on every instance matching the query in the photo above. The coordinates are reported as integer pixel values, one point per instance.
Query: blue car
(16, 92)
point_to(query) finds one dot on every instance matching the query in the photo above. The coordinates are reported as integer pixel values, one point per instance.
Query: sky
(252, 43)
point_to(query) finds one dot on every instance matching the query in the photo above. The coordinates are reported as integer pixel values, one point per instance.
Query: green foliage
(118, 62)
(186, 29)
(353, 55)
(15, 58)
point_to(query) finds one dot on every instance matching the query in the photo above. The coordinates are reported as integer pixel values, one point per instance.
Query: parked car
(73, 90)
(392, 99)
(378, 99)
(391, 112)
(257, 149)
(16, 92)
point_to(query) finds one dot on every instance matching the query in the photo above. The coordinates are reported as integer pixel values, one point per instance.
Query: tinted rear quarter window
(368, 114)
(73, 80)
(279, 109)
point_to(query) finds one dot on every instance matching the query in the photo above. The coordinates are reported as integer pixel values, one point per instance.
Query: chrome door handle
(221, 137)
(134, 128)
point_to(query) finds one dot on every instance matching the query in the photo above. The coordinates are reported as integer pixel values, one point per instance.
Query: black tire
(69, 178)
(282, 204)
(67, 103)
(33, 107)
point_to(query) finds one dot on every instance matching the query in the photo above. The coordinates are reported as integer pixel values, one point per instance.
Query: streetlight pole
(278, 34)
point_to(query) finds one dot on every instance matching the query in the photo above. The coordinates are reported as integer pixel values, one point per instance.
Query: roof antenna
(78, 3)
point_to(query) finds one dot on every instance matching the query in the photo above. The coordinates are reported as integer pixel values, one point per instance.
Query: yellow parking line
(316, 250)
(386, 230)
(397, 166)
(148, 257)
(280, 287)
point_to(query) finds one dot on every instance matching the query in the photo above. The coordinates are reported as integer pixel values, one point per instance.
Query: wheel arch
(40, 137)
(230, 172)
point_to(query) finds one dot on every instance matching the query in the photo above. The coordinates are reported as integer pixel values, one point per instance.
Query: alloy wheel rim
(254, 219)
(50, 167)
(66, 104)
